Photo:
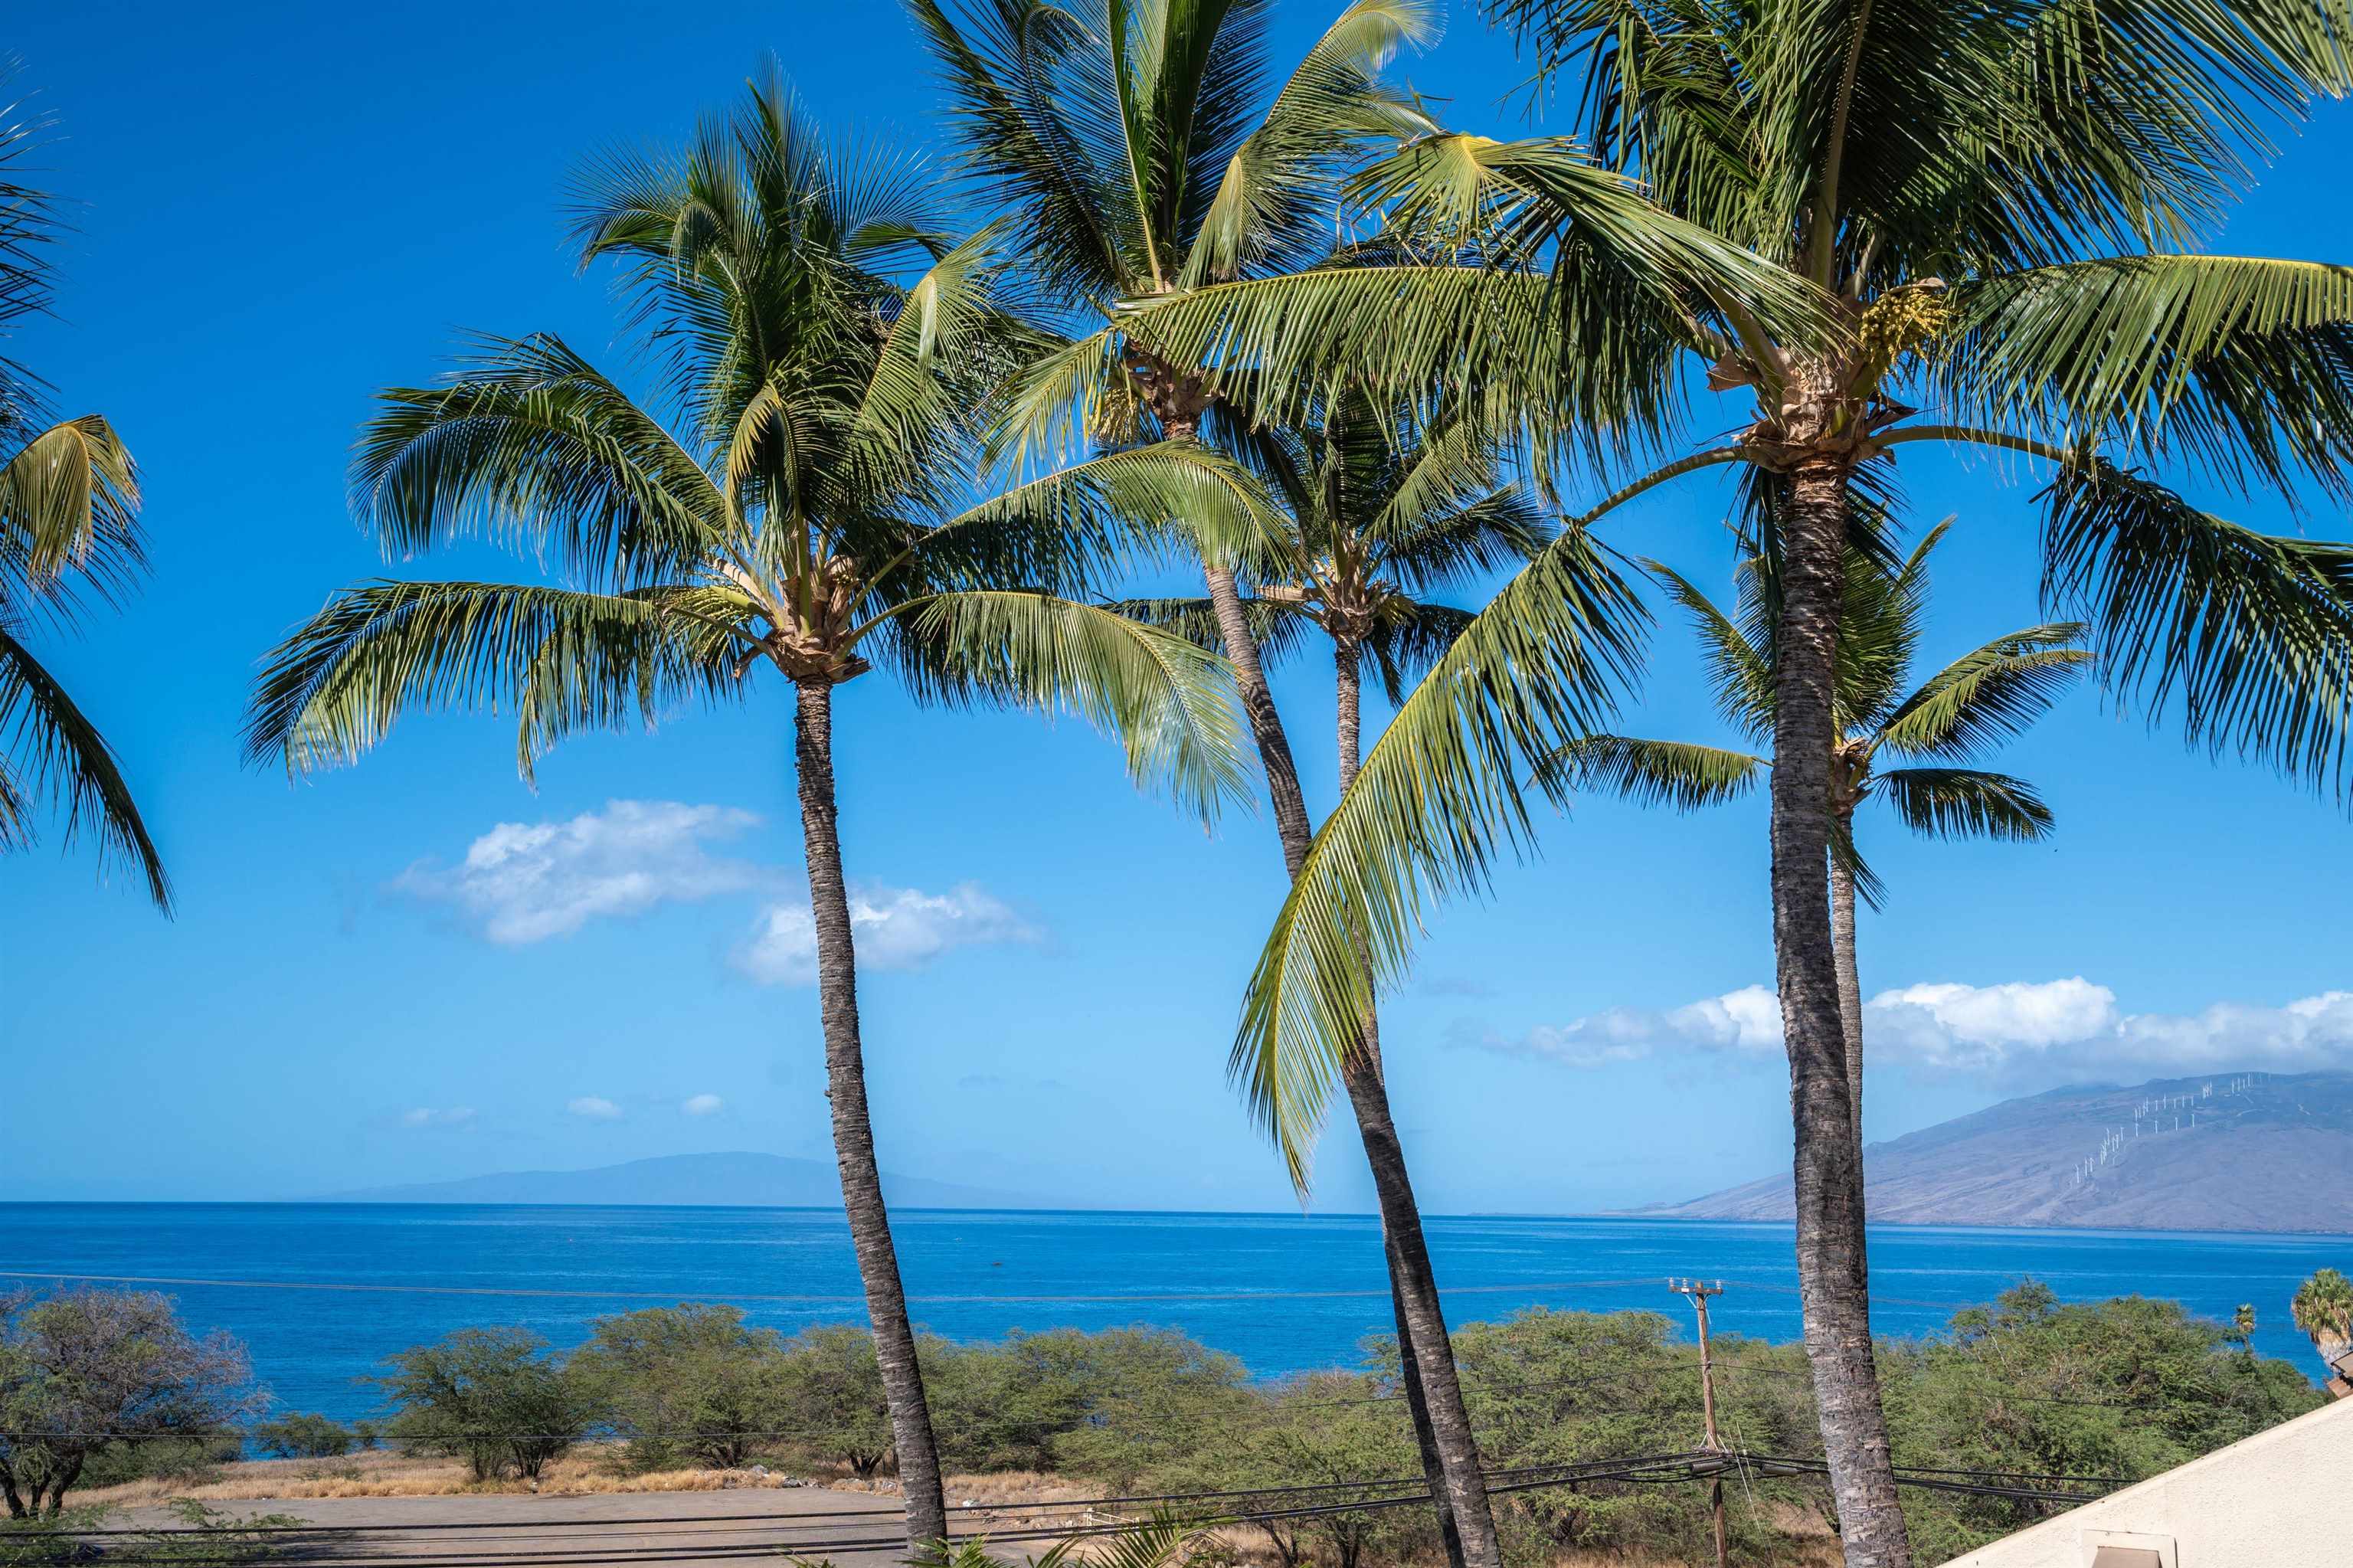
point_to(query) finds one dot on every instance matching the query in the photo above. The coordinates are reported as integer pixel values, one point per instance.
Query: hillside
(2253, 1152)
(753, 1180)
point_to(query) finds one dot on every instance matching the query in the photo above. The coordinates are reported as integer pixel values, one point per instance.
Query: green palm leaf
(2239, 365)
(1169, 701)
(1065, 529)
(54, 753)
(1965, 803)
(1436, 798)
(1656, 772)
(2253, 634)
(1739, 670)
(558, 658)
(530, 444)
(1988, 695)
(1272, 206)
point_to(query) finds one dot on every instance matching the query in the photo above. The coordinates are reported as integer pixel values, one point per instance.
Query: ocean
(1283, 1292)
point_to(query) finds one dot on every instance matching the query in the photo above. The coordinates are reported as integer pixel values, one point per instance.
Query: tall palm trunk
(1426, 1353)
(1265, 724)
(853, 1130)
(1368, 1097)
(1832, 1274)
(1849, 989)
(1449, 1452)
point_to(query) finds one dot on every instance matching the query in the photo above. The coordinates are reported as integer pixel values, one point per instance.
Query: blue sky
(286, 207)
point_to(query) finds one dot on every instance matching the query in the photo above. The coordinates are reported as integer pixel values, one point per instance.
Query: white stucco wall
(2283, 1499)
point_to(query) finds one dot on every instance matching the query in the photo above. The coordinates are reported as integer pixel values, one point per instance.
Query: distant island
(749, 1180)
(2253, 1151)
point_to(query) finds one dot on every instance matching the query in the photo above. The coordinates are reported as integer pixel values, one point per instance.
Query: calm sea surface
(1280, 1291)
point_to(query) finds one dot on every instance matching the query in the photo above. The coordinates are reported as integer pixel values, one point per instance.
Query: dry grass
(386, 1473)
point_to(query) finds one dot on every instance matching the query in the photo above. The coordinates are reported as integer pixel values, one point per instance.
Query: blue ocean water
(1283, 1292)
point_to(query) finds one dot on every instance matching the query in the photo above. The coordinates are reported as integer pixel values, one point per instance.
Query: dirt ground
(398, 1511)
(495, 1531)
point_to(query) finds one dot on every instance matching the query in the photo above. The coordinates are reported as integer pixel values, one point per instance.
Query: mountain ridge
(2232, 1151)
(737, 1177)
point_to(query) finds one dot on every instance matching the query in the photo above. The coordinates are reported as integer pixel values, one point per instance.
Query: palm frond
(1026, 89)
(1438, 796)
(1278, 626)
(50, 752)
(1168, 702)
(1739, 670)
(2252, 633)
(1522, 268)
(2242, 366)
(1064, 529)
(1988, 696)
(1273, 207)
(68, 510)
(1965, 803)
(531, 445)
(558, 658)
(1655, 772)
(1405, 646)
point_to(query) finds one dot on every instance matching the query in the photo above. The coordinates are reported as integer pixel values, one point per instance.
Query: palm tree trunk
(1850, 988)
(1449, 1452)
(1265, 722)
(1373, 1102)
(853, 1132)
(1832, 1272)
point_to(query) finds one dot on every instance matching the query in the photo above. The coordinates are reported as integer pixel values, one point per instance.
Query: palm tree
(2323, 1307)
(1139, 157)
(1371, 518)
(1993, 211)
(2242, 1329)
(797, 514)
(1971, 705)
(69, 532)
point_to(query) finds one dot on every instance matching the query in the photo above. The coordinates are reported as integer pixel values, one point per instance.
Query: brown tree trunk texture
(1450, 1453)
(59, 1484)
(853, 1130)
(1850, 988)
(1374, 1093)
(1265, 724)
(8, 1490)
(1832, 1274)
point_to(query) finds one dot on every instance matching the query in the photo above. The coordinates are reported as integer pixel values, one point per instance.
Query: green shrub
(301, 1437)
(832, 1386)
(489, 1396)
(2126, 1387)
(1039, 1401)
(688, 1383)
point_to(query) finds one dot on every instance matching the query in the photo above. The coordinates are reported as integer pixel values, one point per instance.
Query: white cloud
(525, 881)
(595, 1107)
(1747, 1019)
(894, 928)
(428, 1116)
(702, 1105)
(2016, 1033)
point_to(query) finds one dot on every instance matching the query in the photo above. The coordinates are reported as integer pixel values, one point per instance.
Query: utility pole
(1699, 1291)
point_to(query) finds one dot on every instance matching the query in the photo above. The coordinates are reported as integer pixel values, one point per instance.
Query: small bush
(302, 1436)
(489, 1396)
(688, 1383)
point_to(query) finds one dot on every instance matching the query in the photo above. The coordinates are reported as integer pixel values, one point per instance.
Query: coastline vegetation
(693, 1398)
